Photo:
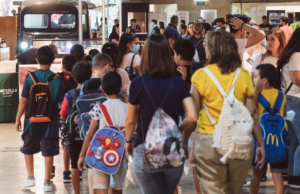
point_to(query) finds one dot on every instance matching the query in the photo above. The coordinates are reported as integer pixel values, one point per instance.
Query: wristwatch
(130, 141)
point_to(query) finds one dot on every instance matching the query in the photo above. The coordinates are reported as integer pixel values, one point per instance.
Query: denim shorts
(34, 144)
(160, 181)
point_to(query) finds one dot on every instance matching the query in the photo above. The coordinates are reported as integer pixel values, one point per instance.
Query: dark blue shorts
(34, 144)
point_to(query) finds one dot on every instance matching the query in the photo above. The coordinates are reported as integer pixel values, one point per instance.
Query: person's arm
(188, 123)
(257, 36)
(138, 70)
(295, 77)
(171, 42)
(130, 123)
(86, 144)
(260, 150)
(21, 109)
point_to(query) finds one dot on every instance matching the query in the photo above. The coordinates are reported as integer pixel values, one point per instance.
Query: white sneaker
(295, 186)
(179, 190)
(247, 183)
(48, 187)
(28, 183)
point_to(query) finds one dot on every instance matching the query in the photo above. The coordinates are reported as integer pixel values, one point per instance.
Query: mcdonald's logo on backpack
(273, 139)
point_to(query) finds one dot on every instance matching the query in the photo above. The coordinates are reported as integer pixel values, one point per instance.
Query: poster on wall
(183, 15)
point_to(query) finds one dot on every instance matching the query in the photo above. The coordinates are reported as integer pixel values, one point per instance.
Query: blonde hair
(198, 30)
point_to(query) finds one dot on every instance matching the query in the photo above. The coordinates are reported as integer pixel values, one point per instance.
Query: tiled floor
(13, 171)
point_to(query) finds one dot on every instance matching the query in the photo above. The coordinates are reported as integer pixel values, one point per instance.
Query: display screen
(39, 21)
(63, 21)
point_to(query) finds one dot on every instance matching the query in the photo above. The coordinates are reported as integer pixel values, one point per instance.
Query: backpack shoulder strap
(106, 114)
(52, 77)
(263, 101)
(132, 60)
(216, 82)
(237, 73)
(198, 43)
(74, 94)
(278, 101)
(33, 77)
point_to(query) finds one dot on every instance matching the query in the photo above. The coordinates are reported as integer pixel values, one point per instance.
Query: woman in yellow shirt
(223, 61)
(162, 27)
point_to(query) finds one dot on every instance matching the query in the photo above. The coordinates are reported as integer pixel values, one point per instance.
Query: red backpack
(39, 104)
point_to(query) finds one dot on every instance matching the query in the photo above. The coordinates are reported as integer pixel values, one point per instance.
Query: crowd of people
(214, 95)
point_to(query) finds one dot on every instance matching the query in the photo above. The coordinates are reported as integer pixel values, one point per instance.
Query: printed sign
(183, 15)
(201, 3)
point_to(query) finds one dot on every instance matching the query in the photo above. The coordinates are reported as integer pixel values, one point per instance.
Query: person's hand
(80, 163)
(18, 126)
(260, 157)
(191, 158)
(183, 72)
(129, 149)
(236, 22)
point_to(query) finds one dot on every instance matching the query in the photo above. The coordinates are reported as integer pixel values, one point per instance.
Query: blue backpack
(85, 104)
(107, 147)
(274, 133)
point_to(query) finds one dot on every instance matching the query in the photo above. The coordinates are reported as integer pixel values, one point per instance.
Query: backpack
(163, 142)
(39, 105)
(196, 56)
(274, 132)
(107, 147)
(232, 136)
(72, 127)
(85, 104)
(68, 85)
(131, 71)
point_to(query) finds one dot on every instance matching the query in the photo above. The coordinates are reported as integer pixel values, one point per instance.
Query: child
(43, 136)
(111, 87)
(82, 71)
(69, 83)
(264, 78)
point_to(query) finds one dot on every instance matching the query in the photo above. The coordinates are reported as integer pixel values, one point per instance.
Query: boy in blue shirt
(265, 77)
(42, 136)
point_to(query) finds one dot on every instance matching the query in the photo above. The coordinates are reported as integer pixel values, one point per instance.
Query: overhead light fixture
(200, 0)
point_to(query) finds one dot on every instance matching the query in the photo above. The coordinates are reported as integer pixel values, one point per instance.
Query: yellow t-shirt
(211, 96)
(271, 96)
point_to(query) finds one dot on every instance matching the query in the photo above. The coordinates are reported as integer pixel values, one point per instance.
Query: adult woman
(289, 62)
(162, 27)
(189, 31)
(129, 46)
(197, 39)
(113, 51)
(159, 86)
(276, 43)
(114, 36)
(223, 61)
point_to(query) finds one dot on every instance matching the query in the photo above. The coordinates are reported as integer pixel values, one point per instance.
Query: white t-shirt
(125, 79)
(242, 42)
(117, 111)
(127, 60)
(292, 65)
(247, 62)
(268, 59)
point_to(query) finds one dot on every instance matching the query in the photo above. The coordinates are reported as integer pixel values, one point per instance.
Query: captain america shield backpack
(107, 147)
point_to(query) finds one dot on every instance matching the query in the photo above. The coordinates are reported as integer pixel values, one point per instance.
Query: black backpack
(68, 85)
(131, 71)
(72, 127)
(39, 105)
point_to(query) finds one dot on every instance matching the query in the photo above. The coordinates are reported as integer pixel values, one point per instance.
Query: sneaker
(247, 183)
(48, 187)
(67, 177)
(28, 183)
(295, 186)
(263, 178)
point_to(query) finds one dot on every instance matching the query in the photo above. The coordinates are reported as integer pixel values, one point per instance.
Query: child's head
(45, 56)
(111, 83)
(68, 63)
(102, 63)
(78, 51)
(265, 75)
(82, 71)
(93, 52)
(184, 50)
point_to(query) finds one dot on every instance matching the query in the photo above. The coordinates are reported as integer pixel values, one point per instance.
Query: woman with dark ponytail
(198, 40)
(288, 66)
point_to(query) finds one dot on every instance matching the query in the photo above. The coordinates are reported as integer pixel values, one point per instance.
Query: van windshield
(39, 21)
(63, 21)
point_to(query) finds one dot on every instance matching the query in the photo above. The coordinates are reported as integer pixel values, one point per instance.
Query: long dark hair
(125, 39)
(114, 28)
(223, 51)
(292, 47)
(156, 57)
(112, 49)
(161, 25)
